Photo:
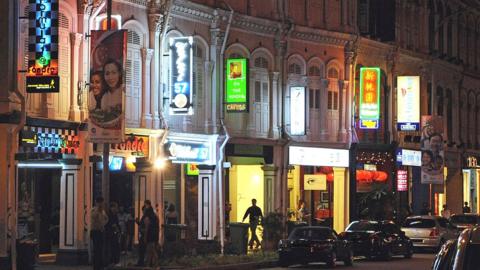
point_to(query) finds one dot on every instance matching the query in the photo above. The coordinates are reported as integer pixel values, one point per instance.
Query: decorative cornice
(256, 25)
(317, 38)
(137, 3)
(189, 10)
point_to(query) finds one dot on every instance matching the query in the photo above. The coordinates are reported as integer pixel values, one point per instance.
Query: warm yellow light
(256, 179)
(131, 159)
(160, 163)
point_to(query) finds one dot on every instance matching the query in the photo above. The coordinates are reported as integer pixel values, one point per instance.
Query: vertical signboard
(408, 103)
(42, 72)
(181, 76)
(297, 110)
(369, 100)
(402, 180)
(236, 96)
(106, 122)
(432, 150)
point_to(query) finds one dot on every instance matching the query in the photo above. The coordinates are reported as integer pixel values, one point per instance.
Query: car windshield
(419, 223)
(309, 233)
(463, 219)
(363, 226)
(472, 260)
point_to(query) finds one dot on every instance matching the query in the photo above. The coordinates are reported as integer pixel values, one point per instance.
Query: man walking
(255, 214)
(98, 221)
(142, 241)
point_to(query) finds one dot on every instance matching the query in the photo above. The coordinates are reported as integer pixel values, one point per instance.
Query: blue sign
(181, 76)
(187, 152)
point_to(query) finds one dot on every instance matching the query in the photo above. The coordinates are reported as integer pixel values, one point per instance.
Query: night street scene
(239, 134)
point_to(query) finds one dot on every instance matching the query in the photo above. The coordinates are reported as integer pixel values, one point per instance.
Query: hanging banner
(181, 76)
(402, 180)
(432, 150)
(42, 72)
(297, 110)
(369, 100)
(106, 122)
(236, 96)
(408, 103)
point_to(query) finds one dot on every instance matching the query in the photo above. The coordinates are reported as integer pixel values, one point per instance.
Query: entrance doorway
(39, 207)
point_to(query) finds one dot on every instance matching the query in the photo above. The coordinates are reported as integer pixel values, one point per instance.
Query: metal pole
(106, 146)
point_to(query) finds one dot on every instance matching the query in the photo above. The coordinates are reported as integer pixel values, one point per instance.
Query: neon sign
(181, 76)
(236, 95)
(369, 97)
(42, 72)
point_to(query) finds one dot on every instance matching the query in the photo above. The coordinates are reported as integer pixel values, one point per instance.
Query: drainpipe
(227, 137)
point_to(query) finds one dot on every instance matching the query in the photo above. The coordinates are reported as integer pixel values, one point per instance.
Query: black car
(314, 244)
(460, 254)
(378, 239)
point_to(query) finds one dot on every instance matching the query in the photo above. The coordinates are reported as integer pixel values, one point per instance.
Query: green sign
(236, 96)
(192, 169)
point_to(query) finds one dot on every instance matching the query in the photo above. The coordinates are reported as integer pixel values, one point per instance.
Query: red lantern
(326, 170)
(330, 177)
(382, 176)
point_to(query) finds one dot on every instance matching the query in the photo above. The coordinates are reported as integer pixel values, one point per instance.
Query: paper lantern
(382, 176)
(330, 177)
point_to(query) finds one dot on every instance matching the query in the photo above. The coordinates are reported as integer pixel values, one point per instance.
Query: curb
(240, 266)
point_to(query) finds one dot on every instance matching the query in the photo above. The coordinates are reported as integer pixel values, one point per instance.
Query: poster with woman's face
(432, 150)
(106, 122)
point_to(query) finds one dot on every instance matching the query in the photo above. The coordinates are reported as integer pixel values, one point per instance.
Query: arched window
(61, 101)
(261, 62)
(333, 89)
(314, 71)
(261, 96)
(332, 73)
(133, 79)
(295, 68)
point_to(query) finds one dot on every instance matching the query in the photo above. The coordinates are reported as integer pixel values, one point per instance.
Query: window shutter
(335, 100)
(330, 100)
(258, 92)
(317, 98)
(311, 98)
(265, 92)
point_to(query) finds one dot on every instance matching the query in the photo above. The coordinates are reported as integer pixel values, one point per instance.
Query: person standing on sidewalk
(142, 242)
(255, 214)
(98, 221)
(152, 230)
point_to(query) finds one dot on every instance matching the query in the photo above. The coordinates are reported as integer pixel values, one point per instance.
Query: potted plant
(273, 228)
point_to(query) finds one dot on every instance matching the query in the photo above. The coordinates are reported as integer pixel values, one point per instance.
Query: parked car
(378, 239)
(462, 254)
(429, 231)
(463, 221)
(445, 257)
(314, 244)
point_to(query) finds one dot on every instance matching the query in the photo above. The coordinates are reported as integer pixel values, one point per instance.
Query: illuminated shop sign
(402, 180)
(181, 76)
(315, 182)
(313, 156)
(191, 148)
(42, 72)
(411, 158)
(236, 96)
(369, 100)
(472, 162)
(49, 140)
(192, 169)
(297, 110)
(133, 145)
(408, 103)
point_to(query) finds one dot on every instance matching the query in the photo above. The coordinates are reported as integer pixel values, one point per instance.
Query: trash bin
(27, 251)
(173, 232)
(294, 224)
(239, 237)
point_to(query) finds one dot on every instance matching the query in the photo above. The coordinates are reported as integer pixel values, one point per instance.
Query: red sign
(402, 180)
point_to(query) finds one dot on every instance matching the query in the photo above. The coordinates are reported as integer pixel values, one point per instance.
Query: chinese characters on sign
(408, 103)
(42, 73)
(236, 96)
(369, 101)
(402, 180)
(181, 76)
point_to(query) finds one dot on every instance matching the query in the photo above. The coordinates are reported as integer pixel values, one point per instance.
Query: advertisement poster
(369, 101)
(297, 110)
(432, 150)
(402, 180)
(106, 122)
(42, 72)
(236, 96)
(181, 76)
(408, 103)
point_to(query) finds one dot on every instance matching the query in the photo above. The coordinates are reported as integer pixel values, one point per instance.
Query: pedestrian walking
(152, 230)
(255, 214)
(98, 220)
(466, 209)
(142, 234)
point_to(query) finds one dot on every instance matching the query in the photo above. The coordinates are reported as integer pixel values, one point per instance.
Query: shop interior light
(131, 159)
(160, 163)
(40, 165)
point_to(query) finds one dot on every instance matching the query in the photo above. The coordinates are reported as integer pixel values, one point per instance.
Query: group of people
(105, 96)
(112, 230)
(446, 213)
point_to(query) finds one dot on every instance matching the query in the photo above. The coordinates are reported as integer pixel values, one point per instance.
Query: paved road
(418, 262)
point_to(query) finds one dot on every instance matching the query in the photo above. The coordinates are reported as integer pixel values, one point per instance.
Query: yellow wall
(246, 183)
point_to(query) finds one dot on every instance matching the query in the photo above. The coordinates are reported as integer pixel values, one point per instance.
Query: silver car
(429, 231)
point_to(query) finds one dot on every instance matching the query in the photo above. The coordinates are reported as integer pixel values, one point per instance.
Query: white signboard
(408, 103)
(313, 156)
(297, 110)
(315, 182)
(411, 157)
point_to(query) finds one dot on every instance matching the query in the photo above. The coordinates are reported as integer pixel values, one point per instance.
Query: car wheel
(409, 253)
(349, 260)
(332, 262)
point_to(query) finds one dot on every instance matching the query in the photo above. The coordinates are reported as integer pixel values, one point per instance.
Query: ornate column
(269, 175)
(208, 97)
(341, 203)
(273, 129)
(155, 24)
(216, 37)
(146, 117)
(324, 109)
(342, 132)
(74, 111)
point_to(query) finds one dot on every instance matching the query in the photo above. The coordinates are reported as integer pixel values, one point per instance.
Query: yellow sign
(315, 182)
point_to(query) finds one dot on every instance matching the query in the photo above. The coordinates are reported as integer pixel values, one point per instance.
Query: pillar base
(5, 263)
(72, 257)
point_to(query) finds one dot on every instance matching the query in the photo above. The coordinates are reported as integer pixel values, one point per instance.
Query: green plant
(273, 227)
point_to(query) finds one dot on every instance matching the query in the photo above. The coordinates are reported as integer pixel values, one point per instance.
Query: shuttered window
(133, 79)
